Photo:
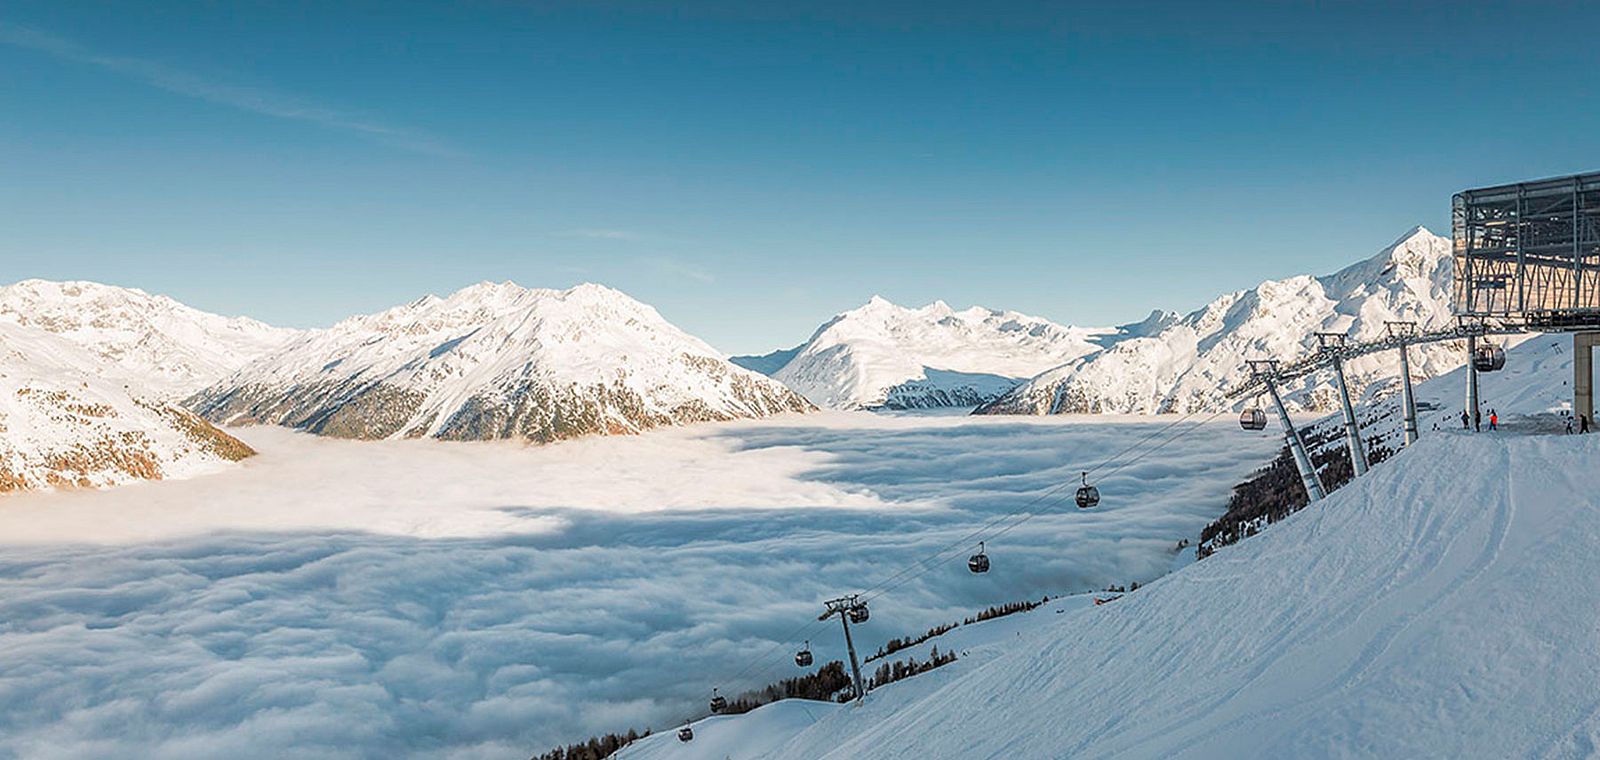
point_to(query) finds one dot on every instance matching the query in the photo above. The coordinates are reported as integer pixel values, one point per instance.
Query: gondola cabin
(1253, 419)
(1488, 357)
(1087, 495)
(978, 563)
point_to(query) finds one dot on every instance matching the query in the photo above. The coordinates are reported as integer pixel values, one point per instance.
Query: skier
(1466, 423)
(1569, 426)
(1494, 420)
(1583, 423)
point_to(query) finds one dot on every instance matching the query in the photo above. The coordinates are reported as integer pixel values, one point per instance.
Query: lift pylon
(1266, 370)
(1400, 332)
(843, 607)
(1331, 344)
(1473, 328)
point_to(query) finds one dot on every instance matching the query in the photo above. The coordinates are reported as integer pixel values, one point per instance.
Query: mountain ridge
(1189, 363)
(496, 360)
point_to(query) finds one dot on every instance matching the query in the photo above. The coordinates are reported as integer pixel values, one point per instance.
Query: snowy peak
(497, 360)
(882, 354)
(1187, 364)
(63, 425)
(150, 342)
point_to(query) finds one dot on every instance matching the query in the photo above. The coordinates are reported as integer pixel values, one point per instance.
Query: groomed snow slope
(885, 355)
(1441, 607)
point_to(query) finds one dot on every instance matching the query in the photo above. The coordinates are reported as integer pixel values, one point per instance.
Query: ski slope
(1440, 607)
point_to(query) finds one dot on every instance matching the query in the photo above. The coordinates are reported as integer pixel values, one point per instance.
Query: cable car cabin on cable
(803, 657)
(859, 613)
(979, 563)
(685, 734)
(1253, 419)
(1488, 358)
(1087, 495)
(718, 702)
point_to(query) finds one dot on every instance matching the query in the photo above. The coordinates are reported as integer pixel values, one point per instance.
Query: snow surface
(64, 425)
(1191, 363)
(496, 360)
(157, 346)
(1436, 608)
(882, 355)
(430, 599)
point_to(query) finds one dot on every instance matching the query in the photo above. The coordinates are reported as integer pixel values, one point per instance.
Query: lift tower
(847, 607)
(1332, 345)
(1400, 332)
(1266, 371)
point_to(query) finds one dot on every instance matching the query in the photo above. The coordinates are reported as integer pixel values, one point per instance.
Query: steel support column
(1475, 420)
(1297, 447)
(1408, 402)
(843, 607)
(1352, 430)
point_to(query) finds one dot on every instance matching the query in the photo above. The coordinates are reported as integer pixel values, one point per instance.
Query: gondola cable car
(718, 702)
(1253, 418)
(859, 613)
(686, 733)
(1488, 357)
(978, 563)
(803, 657)
(1087, 495)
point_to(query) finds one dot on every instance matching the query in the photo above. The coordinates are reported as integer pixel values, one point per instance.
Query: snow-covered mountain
(63, 425)
(886, 356)
(1189, 364)
(496, 361)
(152, 343)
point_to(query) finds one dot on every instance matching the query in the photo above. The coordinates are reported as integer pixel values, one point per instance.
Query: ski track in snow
(418, 598)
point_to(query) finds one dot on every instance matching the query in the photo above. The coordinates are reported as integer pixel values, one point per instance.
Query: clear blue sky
(752, 168)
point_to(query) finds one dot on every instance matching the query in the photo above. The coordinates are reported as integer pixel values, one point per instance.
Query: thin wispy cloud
(257, 100)
(598, 234)
(675, 267)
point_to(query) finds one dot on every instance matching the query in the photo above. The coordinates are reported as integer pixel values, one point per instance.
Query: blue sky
(752, 168)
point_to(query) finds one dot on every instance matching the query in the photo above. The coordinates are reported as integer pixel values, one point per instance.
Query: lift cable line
(1030, 515)
(983, 530)
(766, 662)
(1265, 376)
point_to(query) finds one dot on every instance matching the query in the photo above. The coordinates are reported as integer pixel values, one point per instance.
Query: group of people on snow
(1474, 421)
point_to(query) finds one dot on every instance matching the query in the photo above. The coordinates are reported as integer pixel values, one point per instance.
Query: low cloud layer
(339, 599)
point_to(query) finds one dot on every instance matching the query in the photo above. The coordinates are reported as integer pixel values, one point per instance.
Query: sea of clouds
(428, 599)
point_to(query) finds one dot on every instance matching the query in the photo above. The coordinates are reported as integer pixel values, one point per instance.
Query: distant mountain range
(152, 343)
(886, 356)
(1189, 363)
(883, 356)
(90, 371)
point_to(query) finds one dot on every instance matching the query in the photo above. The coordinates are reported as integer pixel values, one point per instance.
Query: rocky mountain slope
(64, 426)
(886, 356)
(496, 361)
(151, 343)
(1191, 362)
